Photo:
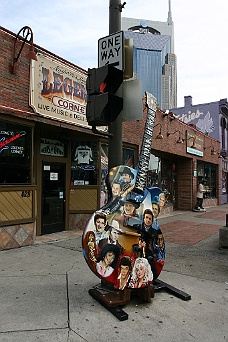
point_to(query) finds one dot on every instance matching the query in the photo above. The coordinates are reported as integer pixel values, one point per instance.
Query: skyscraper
(154, 59)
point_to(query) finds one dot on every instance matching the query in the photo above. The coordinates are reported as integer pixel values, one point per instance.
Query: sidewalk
(44, 289)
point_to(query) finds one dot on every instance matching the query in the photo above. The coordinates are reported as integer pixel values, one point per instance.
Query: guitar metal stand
(161, 285)
(113, 299)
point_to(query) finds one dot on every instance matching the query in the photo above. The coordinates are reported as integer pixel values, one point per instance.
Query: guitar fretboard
(144, 157)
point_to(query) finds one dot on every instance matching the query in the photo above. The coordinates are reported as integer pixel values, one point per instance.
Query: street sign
(110, 50)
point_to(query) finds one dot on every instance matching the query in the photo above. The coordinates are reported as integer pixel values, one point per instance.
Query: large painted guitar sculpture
(122, 242)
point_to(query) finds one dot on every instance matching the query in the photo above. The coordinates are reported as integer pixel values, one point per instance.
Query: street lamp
(26, 36)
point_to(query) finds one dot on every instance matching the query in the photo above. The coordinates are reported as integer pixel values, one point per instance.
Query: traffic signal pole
(115, 129)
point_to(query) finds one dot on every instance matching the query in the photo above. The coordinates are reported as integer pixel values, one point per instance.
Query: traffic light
(103, 105)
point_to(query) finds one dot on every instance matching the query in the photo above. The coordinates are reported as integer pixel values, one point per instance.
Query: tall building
(154, 58)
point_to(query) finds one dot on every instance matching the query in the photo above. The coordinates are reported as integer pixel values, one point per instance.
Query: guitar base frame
(113, 299)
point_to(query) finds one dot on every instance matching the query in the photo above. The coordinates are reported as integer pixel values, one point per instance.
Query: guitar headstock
(150, 101)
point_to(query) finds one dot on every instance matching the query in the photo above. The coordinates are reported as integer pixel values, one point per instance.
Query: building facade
(53, 166)
(179, 152)
(165, 28)
(211, 119)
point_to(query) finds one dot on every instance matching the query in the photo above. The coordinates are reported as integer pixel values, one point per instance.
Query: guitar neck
(144, 158)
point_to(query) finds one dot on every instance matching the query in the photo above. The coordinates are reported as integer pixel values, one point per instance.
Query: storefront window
(128, 160)
(154, 173)
(208, 172)
(15, 148)
(104, 172)
(224, 176)
(224, 182)
(104, 164)
(162, 173)
(128, 157)
(84, 163)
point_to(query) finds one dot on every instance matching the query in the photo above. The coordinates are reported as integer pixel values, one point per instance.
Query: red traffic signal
(103, 106)
(106, 79)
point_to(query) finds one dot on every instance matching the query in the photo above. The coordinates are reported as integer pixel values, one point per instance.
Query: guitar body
(122, 242)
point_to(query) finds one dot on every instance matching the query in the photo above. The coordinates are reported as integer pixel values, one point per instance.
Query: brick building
(53, 166)
(212, 119)
(178, 152)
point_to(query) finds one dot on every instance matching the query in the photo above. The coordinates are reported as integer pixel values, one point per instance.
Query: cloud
(72, 29)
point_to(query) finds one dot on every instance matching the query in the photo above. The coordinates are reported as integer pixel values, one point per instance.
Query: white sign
(51, 147)
(53, 176)
(58, 90)
(110, 50)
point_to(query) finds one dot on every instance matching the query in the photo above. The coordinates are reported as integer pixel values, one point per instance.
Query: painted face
(116, 189)
(114, 235)
(148, 219)
(160, 240)
(100, 223)
(129, 208)
(162, 201)
(126, 177)
(109, 258)
(140, 271)
(124, 271)
(155, 210)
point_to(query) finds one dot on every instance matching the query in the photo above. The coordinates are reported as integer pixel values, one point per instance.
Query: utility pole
(115, 138)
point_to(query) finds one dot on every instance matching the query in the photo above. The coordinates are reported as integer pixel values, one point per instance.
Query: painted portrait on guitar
(130, 226)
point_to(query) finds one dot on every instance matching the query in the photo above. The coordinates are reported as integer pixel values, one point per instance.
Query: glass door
(53, 197)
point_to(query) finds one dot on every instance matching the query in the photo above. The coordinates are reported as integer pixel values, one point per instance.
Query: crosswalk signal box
(103, 105)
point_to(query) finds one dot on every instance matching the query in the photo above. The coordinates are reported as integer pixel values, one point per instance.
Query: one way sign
(110, 50)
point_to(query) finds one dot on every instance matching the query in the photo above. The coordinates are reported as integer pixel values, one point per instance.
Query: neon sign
(4, 142)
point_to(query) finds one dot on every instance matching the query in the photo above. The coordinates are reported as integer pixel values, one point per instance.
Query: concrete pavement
(44, 289)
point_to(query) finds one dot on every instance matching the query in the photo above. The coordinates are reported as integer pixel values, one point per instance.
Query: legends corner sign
(110, 50)
(58, 91)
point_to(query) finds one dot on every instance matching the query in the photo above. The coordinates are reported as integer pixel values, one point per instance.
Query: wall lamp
(180, 140)
(169, 114)
(166, 113)
(26, 36)
(213, 151)
(159, 136)
(206, 148)
(222, 154)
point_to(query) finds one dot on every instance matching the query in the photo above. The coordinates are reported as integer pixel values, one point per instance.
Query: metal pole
(115, 141)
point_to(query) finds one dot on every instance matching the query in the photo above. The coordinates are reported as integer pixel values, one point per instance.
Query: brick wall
(15, 92)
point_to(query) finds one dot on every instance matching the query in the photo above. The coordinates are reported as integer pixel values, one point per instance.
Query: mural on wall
(122, 242)
(205, 117)
(202, 119)
(206, 124)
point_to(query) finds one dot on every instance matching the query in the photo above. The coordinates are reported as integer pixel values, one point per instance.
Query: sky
(71, 29)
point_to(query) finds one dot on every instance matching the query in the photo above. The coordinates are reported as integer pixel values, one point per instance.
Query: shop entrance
(53, 197)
